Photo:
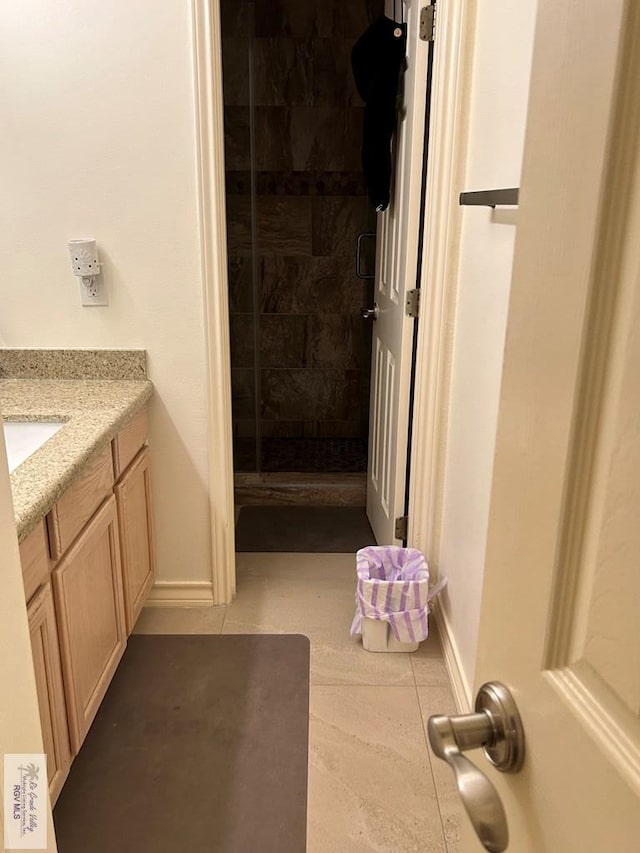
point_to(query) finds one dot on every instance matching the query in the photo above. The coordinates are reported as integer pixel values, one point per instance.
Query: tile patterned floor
(303, 455)
(373, 785)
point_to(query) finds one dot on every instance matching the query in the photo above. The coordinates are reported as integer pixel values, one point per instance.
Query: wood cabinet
(91, 624)
(49, 686)
(99, 540)
(133, 497)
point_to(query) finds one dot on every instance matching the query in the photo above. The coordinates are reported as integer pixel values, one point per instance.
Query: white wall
(499, 94)
(19, 718)
(98, 139)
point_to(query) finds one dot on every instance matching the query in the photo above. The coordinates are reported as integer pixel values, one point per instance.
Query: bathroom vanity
(84, 519)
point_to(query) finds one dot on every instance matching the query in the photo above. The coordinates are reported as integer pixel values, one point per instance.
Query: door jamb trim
(443, 222)
(207, 48)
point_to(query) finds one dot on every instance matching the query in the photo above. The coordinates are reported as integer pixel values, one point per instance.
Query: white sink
(25, 437)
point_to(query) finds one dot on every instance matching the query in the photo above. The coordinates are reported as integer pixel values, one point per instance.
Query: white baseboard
(459, 684)
(181, 594)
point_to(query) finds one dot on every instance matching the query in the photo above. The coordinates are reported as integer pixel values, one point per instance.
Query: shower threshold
(332, 489)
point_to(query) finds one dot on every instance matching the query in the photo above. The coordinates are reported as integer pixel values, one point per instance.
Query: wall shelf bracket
(491, 198)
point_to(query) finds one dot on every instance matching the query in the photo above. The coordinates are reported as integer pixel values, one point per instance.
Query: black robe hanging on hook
(376, 60)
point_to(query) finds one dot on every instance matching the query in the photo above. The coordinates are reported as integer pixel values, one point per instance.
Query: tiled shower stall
(296, 202)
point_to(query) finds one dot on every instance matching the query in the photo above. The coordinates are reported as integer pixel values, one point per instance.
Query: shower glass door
(296, 202)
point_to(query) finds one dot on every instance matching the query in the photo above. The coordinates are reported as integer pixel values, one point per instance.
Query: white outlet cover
(96, 294)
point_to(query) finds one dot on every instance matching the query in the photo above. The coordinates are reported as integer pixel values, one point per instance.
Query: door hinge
(428, 22)
(413, 303)
(402, 527)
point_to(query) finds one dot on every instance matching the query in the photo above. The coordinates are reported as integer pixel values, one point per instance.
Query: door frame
(209, 114)
(448, 137)
(451, 97)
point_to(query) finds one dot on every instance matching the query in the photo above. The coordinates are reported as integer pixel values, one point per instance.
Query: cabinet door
(51, 701)
(133, 494)
(89, 605)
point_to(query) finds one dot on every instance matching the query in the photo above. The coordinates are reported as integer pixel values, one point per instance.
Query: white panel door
(560, 618)
(396, 263)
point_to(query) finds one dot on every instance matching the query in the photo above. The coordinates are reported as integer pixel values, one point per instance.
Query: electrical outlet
(95, 293)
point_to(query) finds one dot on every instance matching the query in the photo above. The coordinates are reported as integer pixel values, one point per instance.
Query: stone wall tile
(306, 394)
(284, 225)
(337, 221)
(306, 285)
(283, 340)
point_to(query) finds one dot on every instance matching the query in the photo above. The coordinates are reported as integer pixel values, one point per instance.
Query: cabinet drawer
(129, 441)
(79, 502)
(34, 556)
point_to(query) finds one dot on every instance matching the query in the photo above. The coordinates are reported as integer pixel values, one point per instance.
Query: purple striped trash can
(392, 598)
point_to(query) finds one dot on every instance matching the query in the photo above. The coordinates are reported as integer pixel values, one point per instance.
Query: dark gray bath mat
(201, 745)
(305, 529)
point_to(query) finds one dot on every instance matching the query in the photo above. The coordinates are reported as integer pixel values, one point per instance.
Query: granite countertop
(93, 411)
